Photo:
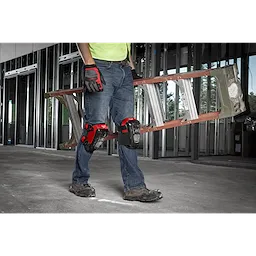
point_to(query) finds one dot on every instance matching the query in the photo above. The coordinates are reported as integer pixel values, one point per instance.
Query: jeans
(118, 95)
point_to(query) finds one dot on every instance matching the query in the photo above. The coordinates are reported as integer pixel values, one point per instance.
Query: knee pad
(94, 136)
(129, 133)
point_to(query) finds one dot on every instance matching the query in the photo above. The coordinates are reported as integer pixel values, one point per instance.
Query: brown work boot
(83, 190)
(142, 195)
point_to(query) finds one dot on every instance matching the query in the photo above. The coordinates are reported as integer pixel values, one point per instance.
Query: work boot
(83, 190)
(142, 195)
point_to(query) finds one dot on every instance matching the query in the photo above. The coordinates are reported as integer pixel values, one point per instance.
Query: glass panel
(21, 110)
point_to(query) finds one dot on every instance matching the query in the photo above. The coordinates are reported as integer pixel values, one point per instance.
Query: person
(108, 83)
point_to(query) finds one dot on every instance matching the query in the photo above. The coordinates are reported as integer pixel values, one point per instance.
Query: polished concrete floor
(36, 181)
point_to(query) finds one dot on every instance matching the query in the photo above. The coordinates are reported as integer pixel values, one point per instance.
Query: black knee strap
(129, 133)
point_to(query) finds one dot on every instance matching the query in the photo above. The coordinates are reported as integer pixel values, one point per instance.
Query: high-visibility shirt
(110, 51)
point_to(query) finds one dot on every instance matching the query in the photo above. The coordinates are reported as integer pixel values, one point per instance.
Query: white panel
(7, 52)
(22, 49)
(11, 51)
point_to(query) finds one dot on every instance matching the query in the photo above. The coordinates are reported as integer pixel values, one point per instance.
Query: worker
(108, 83)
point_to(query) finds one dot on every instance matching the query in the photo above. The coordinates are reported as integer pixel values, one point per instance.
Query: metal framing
(37, 93)
(45, 100)
(4, 108)
(176, 106)
(146, 110)
(56, 102)
(1, 102)
(27, 111)
(209, 87)
(217, 122)
(196, 88)
(165, 55)
(10, 75)
(188, 128)
(154, 99)
(150, 144)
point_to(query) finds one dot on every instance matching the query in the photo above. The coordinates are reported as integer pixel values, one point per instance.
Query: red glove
(93, 79)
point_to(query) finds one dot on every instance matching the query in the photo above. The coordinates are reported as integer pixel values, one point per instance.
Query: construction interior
(198, 125)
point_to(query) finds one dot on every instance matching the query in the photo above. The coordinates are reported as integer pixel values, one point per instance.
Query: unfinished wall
(10, 49)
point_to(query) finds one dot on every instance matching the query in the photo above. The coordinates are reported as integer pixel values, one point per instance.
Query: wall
(13, 50)
(214, 53)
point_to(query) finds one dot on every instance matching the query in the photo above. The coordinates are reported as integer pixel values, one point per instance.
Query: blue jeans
(118, 95)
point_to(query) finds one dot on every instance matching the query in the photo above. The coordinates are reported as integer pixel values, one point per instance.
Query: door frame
(25, 71)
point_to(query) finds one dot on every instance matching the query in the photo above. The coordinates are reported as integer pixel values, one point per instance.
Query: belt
(122, 62)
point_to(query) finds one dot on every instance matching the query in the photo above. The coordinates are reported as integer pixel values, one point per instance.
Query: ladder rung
(188, 99)
(155, 105)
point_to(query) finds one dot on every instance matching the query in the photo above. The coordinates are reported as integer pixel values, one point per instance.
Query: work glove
(135, 75)
(93, 80)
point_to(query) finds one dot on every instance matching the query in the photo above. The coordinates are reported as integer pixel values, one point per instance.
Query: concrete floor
(36, 181)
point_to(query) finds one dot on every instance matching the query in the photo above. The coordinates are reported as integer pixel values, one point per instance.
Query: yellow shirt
(110, 51)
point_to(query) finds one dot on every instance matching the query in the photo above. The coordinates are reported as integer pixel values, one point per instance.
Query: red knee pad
(94, 136)
(129, 132)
